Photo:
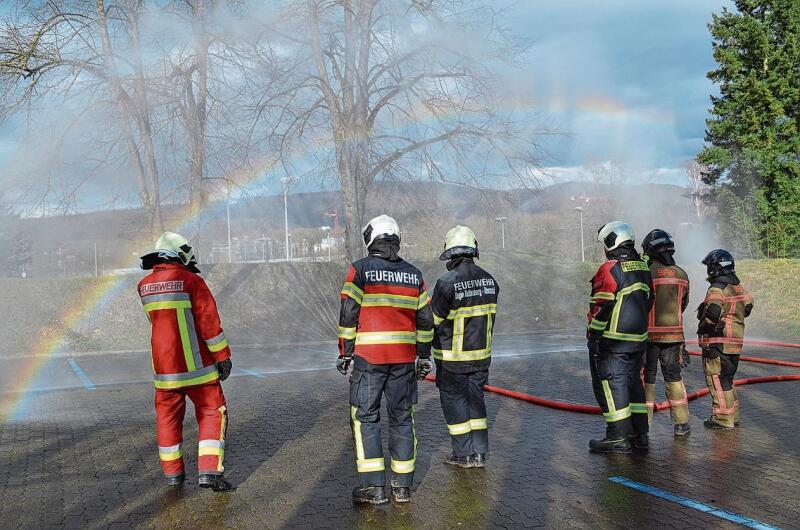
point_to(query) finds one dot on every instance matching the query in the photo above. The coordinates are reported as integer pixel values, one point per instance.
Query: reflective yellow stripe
(185, 341)
(222, 426)
(386, 337)
(168, 457)
(403, 466)
(424, 299)
(472, 311)
(459, 428)
(347, 333)
(371, 464)
(625, 336)
(638, 408)
(618, 415)
(612, 332)
(218, 346)
(350, 289)
(178, 304)
(598, 325)
(209, 451)
(479, 423)
(473, 355)
(168, 385)
(424, 336)
(363, 465)
(437, 319)
(602, 296)
(390, 300)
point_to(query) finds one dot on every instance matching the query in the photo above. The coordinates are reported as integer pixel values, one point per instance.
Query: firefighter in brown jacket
(665, 342)
(721, 335)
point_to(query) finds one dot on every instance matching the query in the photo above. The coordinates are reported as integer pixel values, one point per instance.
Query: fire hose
(593, 409)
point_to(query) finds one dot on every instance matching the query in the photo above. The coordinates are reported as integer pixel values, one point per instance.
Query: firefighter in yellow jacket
(721, 335)
(665, 341)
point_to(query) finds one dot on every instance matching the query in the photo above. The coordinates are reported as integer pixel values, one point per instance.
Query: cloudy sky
(626, 78)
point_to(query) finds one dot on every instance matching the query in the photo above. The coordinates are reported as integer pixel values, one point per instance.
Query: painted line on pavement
(87, 383)
(695, 505)
(251, 372)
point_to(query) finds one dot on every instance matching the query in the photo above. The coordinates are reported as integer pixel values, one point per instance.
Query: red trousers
(212, 419)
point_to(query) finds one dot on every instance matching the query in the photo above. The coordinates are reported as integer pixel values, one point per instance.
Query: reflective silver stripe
(186, 375)
(168, 297)
(170, 449)
(216, 340)
(198, 360)
(211, 443)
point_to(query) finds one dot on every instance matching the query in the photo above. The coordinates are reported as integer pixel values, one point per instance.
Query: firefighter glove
(424, 367)
(594, 348)
(685, 359)
(224, 369)
(343, 364)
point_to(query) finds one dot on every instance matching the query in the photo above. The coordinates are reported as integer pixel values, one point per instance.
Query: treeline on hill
(752, 157)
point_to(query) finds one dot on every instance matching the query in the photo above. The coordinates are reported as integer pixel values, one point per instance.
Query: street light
(287, 181)
(502, 220)
(583, 252)
(327, 231)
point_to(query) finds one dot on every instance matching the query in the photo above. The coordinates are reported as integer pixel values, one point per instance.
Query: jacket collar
(455, 262)
(388, 249)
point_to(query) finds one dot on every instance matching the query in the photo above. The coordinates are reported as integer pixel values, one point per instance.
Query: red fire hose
(593, 409)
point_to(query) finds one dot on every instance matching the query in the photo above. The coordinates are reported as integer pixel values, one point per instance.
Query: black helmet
(719, 262)
(656, 242)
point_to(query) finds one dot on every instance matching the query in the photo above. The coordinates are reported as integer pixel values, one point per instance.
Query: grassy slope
(283, 303)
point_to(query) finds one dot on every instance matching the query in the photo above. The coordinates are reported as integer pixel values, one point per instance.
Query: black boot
(609, 446)
(176, 480)
(682, 429)
(639, 442)
(215, 482)
(401, 494)
(460, 461)
(479, 460)
(370, 495)
(711, 423)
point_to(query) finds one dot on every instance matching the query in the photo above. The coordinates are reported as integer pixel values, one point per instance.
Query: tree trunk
(196, 122)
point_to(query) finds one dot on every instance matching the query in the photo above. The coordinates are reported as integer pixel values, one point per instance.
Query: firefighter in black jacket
(622, 296)
(386, 331)
(464, 304)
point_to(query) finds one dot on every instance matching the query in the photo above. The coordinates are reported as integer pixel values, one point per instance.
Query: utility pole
(502, 221)
(583, 251)
(287, 181)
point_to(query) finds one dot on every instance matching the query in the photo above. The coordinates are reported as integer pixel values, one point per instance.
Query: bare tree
(393, 90)
(67, 50)
(698, 189)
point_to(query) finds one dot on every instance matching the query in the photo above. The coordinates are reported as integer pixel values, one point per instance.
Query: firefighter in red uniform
(190, 358)
(622, 295)
(721, 336)
(665, 341)
(385, 331)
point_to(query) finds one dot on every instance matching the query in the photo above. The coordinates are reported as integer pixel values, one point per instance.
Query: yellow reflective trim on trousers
(370, 465)
(168, 457)
(222, 425)
(459, 428)
(609, 397)
(478, 423)
(347, 333)
(177, 304)
(351, 290)
(437, 320)
(403, 466)
(186, 343)
(638, 286)
(472, 311)
(170, 385)
(618, 415)
(218, 346)
(210, 451)
(386, 337)
(638, 408)
(472, 355)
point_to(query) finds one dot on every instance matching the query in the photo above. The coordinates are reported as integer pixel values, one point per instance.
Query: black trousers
(464, 409)
(617, 385)
(669, 355)
(368, 384)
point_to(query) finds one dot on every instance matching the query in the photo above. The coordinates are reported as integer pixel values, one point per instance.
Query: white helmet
(383, 225)
(614, 234)
(171, 246)
(460, 240)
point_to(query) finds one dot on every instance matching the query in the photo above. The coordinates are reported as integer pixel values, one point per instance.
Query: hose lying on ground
(593, 409)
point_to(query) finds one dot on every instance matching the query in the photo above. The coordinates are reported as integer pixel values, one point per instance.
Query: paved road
(84, 458)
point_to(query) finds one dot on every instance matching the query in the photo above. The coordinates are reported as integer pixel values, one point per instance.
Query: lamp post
(327, 231)
(287, 181)
(583, 252)
(502, 221)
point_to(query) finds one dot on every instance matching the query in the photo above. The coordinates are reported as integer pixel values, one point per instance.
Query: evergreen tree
(753, 135)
